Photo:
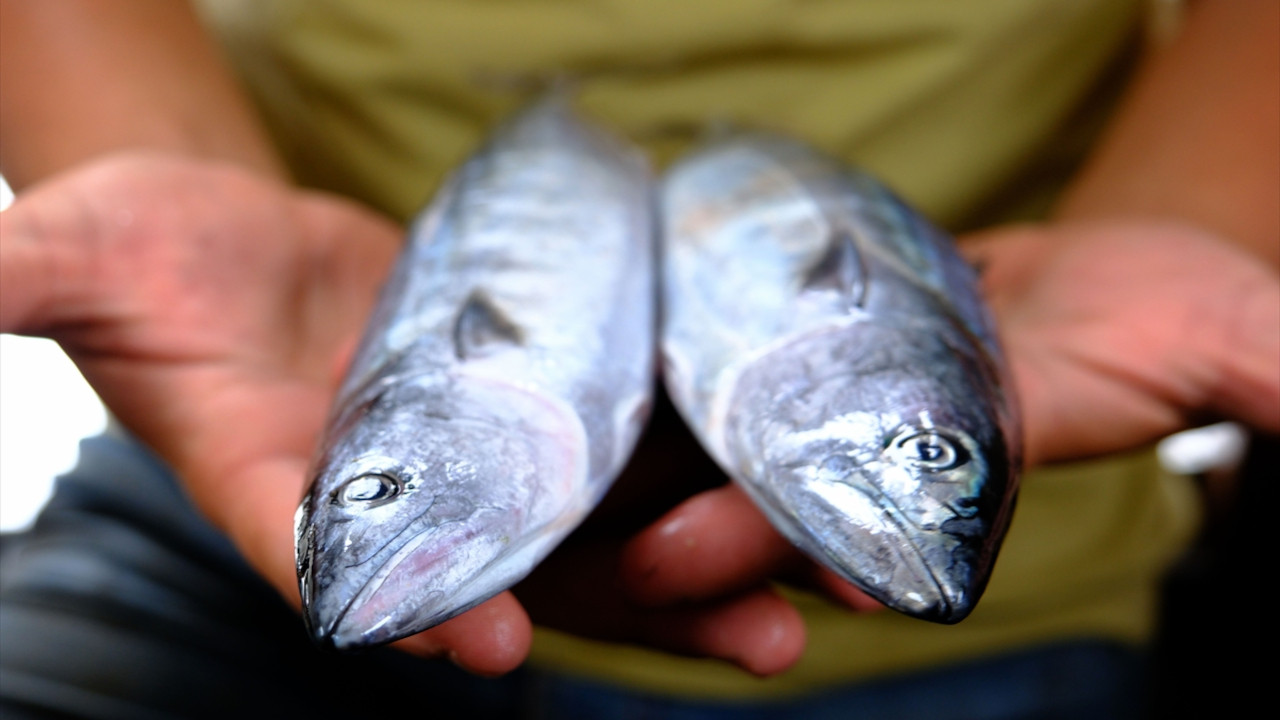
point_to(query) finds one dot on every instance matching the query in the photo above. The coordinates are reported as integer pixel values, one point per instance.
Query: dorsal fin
(839, 268)
(481, 328)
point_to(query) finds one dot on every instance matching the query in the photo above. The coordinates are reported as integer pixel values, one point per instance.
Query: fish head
(430, 498)
(890, 457)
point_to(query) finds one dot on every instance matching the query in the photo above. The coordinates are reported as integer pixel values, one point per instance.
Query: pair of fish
(826, 345)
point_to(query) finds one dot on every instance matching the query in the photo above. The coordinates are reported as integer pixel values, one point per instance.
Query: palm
(209, 308)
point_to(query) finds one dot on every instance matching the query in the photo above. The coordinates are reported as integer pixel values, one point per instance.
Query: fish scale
(830, 350)
(500, 386)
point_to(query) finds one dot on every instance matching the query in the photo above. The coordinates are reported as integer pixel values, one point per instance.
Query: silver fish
(830, 350)
(501, 385)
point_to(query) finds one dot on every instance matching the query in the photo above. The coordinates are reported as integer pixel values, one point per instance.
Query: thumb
(47, 244)
(1242, 378)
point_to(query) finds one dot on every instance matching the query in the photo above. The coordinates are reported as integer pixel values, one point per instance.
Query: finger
(97, 244)
(490, 639)
(717, 544)
(758, 630)
(1246, 383)
(42, 260)
(714, 544)
(576, 591)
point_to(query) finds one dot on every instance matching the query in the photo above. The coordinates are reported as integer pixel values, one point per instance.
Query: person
(159, 236)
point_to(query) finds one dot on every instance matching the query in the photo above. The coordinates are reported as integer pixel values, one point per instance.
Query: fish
(500, 386)
(831, 351)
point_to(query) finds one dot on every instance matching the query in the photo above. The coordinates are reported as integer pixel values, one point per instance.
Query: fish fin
(840, 268)
(482, 327)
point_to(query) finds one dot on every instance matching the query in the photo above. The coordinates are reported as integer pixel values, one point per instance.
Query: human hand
(1120, 333)
(213, 310)
(1117, 334)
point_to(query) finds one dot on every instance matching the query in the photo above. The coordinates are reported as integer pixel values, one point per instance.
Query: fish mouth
(861, 534)
(435, 575)
(352, 624)
(406, 593)
(369, 579)
(942, 591)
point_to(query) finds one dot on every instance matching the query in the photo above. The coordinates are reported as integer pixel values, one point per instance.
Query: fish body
(501, 384)
(831, 351)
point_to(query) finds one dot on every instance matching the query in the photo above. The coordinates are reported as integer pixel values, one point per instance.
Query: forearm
(1198, 139)
(83, 78)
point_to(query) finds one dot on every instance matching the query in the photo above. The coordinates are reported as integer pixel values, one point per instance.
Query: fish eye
(369, 489)
(932, 450)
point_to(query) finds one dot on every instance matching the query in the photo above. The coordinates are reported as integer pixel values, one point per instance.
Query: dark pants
(123, 603)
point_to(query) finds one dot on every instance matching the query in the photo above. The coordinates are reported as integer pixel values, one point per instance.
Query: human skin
(212, 306)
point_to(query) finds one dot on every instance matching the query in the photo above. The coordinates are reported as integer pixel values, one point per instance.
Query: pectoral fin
(839, 269)
(482, 328)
